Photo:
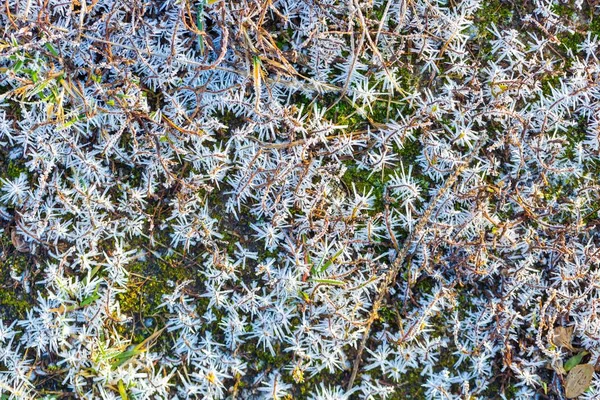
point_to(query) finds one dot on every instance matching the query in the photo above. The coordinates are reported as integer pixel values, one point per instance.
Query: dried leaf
(20, 245)
(578, 380)
(563, 336)
(60, 309)
(558, 366)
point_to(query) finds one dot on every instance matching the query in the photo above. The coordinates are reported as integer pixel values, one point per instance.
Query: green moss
(411, 387)
(155, 99)
(503, 14)
(365, 181)
(409, 152)
(13, 304)
(549, 82)
(387, 314)
(343, 113)
(594, 26)
(574, 135)
(502, 384)
(14, 300)
(570, 40)
(510, 392)
(495, 12)
(563, 10)
(148, 282)
(424, 286)
(15, 168)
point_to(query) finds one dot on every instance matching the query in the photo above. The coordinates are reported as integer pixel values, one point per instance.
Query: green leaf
(71, 122)
(545, 386)
(124, 356)
(122, 390)
(331, 260)
(575, 360)
(51, 49)
(304, 295)
(33, 74)
(333, 282)
(38, 88)
(93, 273)
(362, 285)
(200, 26)
(322, 267)
(18, 65)
(90, 299)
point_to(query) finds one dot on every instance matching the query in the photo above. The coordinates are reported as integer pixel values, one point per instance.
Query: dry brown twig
(390, 277)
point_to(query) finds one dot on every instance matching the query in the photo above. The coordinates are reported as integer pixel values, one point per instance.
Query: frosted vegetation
(299, 199)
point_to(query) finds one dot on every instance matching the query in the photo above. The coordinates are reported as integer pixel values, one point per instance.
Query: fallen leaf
(578, 380)
(20, 245)
(557, 366)
(563, 336)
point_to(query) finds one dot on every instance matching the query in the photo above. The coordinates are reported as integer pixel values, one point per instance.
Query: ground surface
(299, 199)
